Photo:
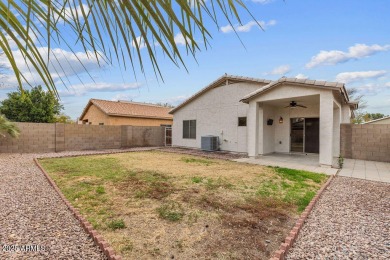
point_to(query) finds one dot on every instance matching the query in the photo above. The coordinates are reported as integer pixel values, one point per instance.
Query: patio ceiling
(308, 101)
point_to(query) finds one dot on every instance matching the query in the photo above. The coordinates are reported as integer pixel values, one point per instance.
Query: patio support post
(326, 129)
(252, 129)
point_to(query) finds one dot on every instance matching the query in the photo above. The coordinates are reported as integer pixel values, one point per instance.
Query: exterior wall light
(281, 120)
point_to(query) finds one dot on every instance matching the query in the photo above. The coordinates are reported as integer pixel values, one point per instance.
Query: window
(189, 129)
(242, 121)
(101, 123)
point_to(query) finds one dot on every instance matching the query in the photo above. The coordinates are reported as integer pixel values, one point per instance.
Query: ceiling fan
(294, 104)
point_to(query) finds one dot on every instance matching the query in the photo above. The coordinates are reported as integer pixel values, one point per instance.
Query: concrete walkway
(306, 162)
(368, 170)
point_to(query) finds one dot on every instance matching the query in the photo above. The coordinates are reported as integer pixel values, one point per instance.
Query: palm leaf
(7, 127)
(106, 27)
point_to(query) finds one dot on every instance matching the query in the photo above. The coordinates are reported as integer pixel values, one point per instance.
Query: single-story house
(259, 117)
(105, 112)
(380, 121)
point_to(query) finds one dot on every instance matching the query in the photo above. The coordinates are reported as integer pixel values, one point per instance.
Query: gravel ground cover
(31, 213)
(350, 221)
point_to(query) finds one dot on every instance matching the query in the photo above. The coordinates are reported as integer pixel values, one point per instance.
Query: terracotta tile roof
(303, 82)
(129, 109)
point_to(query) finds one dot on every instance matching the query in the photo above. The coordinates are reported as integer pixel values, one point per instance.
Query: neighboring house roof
(376, 120)
(306, 83)
(128, 109)
(217, 83)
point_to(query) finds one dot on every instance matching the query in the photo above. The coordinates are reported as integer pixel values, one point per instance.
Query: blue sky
(347, 41)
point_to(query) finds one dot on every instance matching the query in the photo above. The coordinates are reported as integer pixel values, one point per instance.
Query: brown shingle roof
(129, 109)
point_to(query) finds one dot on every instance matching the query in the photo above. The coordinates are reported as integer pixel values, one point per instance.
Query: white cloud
(175, 100)
(82, 89)
(281, 70)
(263, 2)
(301, 76)
(140, 41)
(179, 39)
(372, 89)
(355, 52)
(62, 64)
(123, 96)
(353, 76)
(247, 27)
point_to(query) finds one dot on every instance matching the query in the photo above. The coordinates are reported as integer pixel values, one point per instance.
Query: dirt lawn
(156, 205)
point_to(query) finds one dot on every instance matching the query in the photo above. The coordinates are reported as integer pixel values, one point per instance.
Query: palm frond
(7, 127)
(103, 27)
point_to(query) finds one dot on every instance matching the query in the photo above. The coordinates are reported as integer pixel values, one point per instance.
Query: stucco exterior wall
(96, 116)
(134, 121)
(216, 113)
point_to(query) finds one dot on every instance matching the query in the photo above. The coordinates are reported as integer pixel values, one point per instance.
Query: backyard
(155, 204)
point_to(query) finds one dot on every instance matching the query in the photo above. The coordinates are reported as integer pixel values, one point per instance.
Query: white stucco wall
(216, 113)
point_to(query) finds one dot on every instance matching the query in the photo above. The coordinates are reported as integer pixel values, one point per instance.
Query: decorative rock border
(293, 235)
(107, 250)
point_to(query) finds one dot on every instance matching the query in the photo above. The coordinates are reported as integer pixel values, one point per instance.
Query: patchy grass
(116, 224)
(159, 205)
(171, 211)
(297, 187)
(198, 160)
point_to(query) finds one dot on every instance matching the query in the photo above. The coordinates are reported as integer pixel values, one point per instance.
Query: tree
(62, 118)
(353, 94)
(165, 104)
(108, 30)
(373, 116)
(7, 127)
(35, 105)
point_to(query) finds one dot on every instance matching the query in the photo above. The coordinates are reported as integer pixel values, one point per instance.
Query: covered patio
(291, 116)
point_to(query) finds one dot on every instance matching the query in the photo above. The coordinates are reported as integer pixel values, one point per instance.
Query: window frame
(238, 121)
(189, 131)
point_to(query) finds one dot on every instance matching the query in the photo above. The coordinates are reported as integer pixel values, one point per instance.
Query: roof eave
(275, 84)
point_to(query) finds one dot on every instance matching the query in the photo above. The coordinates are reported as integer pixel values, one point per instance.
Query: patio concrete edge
(293, 235)
(107, 250)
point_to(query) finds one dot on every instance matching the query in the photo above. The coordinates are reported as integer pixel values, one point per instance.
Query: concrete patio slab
(306, 162)
(367, 170)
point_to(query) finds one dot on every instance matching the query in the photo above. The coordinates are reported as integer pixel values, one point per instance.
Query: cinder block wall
(34, 138)
(365, 142)
(42, 138)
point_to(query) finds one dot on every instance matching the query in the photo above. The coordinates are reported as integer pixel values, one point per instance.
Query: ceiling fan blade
(301, 106)
(287, 106)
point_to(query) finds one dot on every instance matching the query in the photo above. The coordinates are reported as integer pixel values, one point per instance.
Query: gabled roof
(376, 120)
(220, 81)
(128, 109)
(305, 83)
